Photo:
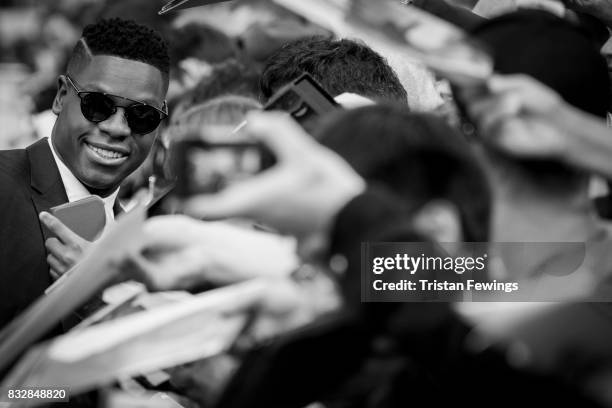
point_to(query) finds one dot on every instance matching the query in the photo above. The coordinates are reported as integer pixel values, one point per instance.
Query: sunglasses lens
(143, 119)
(96, 107)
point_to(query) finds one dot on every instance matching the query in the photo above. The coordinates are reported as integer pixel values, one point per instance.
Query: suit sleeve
(23, 268)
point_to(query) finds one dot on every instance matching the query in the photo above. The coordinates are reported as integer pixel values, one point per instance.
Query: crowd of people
(94, 95)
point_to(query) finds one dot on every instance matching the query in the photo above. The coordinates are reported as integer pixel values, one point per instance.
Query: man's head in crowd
(422, 159)
(561, 56)
(201, 41)
(339, 65)
(110, 102)
(195, 49)
(223, 113)
(232, 77)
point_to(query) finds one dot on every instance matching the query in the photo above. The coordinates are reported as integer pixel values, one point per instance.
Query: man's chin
(100, 185)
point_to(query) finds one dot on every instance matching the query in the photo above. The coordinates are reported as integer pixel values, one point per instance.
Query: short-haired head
(120, 38)
(226, 110)
(201, 41)
(128, 64)
(418, 155)
(338, 65)
(214, 120)
(232, 77)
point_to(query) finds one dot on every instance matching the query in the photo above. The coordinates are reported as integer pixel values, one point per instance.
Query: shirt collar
(75, 190)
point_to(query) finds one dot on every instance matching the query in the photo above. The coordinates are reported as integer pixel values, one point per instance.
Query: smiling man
(109, 105)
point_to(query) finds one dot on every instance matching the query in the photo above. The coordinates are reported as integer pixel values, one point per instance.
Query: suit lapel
(47, 187)
(117, 209)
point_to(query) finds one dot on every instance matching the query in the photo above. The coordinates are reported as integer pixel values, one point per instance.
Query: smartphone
(305, 99)
(203, 167)
(85, 217)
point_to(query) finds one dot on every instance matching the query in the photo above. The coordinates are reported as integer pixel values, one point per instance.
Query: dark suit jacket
(29, 183)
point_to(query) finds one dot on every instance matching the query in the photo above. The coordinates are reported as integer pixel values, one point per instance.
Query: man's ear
(62, 90)
(440, 220)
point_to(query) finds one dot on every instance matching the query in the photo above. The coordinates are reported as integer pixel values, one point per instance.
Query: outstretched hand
(178, 252)
(518, 116)
(300, 195)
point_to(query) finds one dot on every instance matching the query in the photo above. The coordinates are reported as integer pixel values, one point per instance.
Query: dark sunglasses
(141, 117)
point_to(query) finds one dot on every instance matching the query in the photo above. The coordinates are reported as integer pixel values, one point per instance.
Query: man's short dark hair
(339, 65)
(418, 155)
(126, 39)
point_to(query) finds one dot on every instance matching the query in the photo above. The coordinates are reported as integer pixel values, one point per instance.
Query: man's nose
(116, 125)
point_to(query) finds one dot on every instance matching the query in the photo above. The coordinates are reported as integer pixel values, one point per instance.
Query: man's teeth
(107, 154)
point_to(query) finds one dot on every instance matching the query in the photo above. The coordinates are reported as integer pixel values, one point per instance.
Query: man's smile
(106, 155)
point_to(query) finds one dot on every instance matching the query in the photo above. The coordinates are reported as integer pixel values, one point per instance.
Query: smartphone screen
(204, 167)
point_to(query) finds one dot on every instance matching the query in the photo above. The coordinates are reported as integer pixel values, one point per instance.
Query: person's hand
(518, 116)
(597, 8)
(300, 195)
(283, 305)
(65, 250)
(203, 381)
(179, 252)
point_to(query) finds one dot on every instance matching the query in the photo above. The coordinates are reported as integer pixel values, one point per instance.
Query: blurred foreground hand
(179, 252)
(284, 305)
(518, 116)
(300, 195)
(601, 9)
(524, 118)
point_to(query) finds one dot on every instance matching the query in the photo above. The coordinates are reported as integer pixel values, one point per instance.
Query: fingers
(241, 199)
(64, 233)
(519, 88)
(307, 176)
(499, 83)
(57, 268)
(280, 133)
(290, 145)
(490, 111)
(137, 267)
(182, 269)
(169, 231)
(534, 96)
(66, 255)
(511, 96)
